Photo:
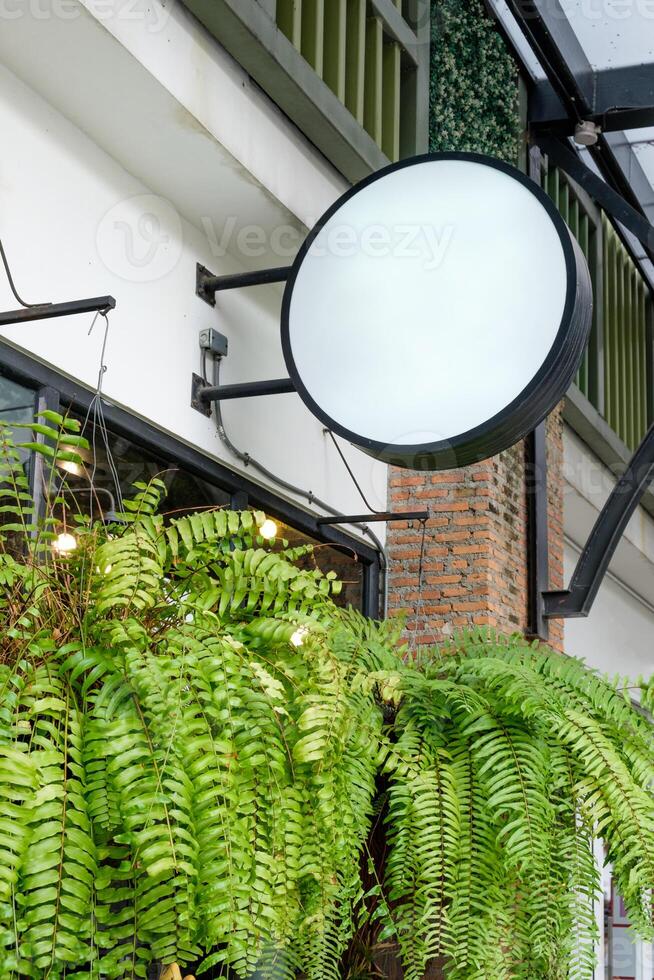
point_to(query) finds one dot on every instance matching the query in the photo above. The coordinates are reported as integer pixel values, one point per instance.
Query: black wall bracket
(207, 284)
(202, 394)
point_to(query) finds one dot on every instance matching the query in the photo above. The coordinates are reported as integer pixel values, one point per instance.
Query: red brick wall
(474, 564)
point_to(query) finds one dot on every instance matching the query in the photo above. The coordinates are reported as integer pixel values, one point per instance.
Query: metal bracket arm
(207, 284)
(594, 560)
(387, 517)
(202, 394)
(45, 311)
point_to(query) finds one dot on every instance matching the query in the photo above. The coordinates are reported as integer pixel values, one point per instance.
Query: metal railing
(616, 373)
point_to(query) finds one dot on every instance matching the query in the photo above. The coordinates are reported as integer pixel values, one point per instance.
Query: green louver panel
(584, 231)
(626, 338)
(615, 372)
(348, 46)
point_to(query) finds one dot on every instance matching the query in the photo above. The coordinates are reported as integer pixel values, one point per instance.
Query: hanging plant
(195, 743)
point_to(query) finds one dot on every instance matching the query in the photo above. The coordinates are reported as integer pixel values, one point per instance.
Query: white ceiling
(613, 33)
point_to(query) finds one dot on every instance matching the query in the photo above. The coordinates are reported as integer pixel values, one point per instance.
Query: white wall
(617, 636)
(133, 148)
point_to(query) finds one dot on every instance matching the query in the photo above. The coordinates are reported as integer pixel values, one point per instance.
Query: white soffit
(165, 101)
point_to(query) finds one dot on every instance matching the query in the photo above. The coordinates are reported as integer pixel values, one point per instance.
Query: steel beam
(622, 98)
(551, 36)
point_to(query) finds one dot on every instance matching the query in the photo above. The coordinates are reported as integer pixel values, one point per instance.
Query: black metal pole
(252, 389)
(261, 278)
(207, 284)
(537, 530)
(97, 304)
(537, 498)
(202, 394)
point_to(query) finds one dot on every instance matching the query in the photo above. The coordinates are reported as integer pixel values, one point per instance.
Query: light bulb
(70, 467)
(268, 529)
(65, 543)
(297, 639)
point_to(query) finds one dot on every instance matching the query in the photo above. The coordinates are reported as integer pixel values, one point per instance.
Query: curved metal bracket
(609, 527)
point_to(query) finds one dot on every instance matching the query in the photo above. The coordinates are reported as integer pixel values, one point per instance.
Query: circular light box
(437, 312)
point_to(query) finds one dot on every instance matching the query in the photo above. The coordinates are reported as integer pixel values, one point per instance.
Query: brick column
(474, 566)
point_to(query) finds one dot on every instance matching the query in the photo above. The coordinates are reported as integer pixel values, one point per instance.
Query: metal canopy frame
(621, 98)
(593, 563)
(614, 99)
(574, 92)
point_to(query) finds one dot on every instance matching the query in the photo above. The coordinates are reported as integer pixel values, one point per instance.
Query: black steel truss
(577, 599)
(615, 99)
(621, 98)
(570, 93)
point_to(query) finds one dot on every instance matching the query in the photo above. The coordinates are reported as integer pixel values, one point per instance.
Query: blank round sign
(437, 312)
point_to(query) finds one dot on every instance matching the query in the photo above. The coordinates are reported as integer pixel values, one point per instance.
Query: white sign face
(437, 312)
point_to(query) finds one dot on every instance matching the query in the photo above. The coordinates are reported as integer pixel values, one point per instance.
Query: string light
(268, 529)
(64, 543)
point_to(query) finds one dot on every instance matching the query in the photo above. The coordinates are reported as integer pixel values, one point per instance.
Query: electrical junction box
(214, 342)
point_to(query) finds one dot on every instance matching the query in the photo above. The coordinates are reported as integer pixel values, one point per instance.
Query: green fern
(195, 743)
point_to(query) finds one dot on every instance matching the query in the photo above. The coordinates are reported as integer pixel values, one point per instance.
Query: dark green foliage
(192, 741)
(473, 92)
